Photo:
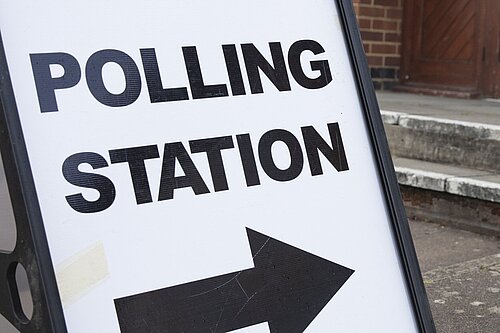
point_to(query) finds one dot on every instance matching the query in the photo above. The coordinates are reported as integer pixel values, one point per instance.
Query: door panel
(441, 43)
(452, 45)
(491, 72)
(450, 37)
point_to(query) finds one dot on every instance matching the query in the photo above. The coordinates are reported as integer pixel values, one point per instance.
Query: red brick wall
(380, 23)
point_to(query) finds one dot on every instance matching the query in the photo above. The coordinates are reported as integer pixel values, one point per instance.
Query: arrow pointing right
(287, 288)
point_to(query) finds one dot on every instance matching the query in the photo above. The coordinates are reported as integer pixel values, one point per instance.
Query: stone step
(447, 157)
(460, 143)
(463, 197)
(470, 183)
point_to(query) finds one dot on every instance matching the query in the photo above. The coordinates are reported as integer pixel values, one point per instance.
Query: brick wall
(380, 23)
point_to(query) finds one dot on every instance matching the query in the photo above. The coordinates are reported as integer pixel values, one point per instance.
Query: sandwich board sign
(200, 166)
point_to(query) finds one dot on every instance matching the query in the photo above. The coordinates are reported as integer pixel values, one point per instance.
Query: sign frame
(32, 250)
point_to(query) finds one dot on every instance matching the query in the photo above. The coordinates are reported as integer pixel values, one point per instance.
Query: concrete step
(462, 197)
(447, 157)
(465, 182)
(460, 143)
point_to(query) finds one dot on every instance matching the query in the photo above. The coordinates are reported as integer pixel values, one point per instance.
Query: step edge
(452, 184)
(441, 125)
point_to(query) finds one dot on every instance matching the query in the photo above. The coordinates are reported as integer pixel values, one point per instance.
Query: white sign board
(180, 150)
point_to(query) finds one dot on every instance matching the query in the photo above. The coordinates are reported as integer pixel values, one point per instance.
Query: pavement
(461, 272)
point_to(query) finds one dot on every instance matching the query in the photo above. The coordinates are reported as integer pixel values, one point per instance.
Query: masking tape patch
(80, 273)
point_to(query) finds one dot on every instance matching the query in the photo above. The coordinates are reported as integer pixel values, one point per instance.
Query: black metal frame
(32, 250)
(408, 256)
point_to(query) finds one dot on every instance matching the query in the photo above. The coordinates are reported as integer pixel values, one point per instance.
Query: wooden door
(491, 68)
(442, 40)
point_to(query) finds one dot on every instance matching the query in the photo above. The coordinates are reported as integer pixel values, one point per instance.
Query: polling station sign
(200, 166)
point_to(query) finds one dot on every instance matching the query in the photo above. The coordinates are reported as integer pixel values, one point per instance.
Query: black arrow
(287, 288)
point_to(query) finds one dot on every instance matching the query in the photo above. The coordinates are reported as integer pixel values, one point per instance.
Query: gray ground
(461, 272)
